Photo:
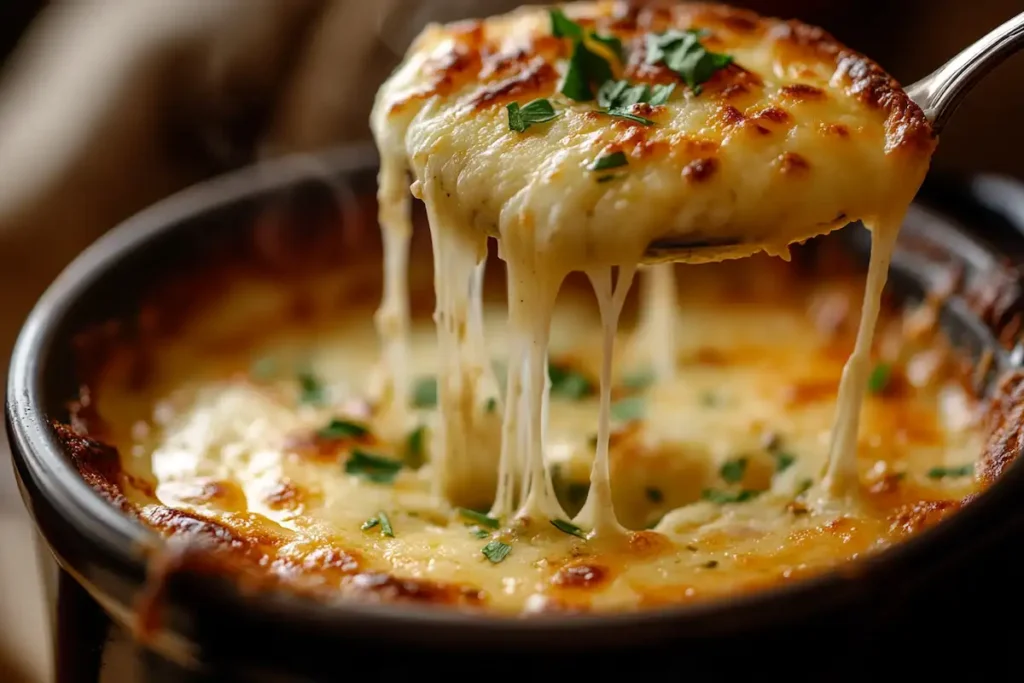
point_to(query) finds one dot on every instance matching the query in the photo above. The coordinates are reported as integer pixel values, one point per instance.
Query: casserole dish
(283, 218)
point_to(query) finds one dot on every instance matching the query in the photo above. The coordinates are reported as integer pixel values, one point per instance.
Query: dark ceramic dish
(954, 575)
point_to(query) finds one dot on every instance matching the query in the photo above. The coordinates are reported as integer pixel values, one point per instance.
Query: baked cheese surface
(795, 136)
(269, 444)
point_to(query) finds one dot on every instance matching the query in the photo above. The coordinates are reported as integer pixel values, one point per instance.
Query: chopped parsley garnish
(629, 409)
(568, 528)
(943, 472)
(480, 518)
(415, 448)
(660, 94)
(804, 487)
(385, 525)
(585, 68)
(625, 114)
(612, 43)
(682, 52)
(338, 429)
(732, 470)
(783, 460)
(538, 111)
(711, 564)
(370, 523)
(613, 160)
(564, 27)
(371, 467)
(879, 378)
(567, 383)
(654, 494)
(496, 551)
(491, 405)
(424, 394)
(310, 389)
(722, 497)
(477, 532)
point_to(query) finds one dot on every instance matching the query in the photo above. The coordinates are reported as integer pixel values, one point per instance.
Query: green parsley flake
(375, 468)
(723, 497)
(479, 518)
(783, 460)
(385, 525)
(732, 471)
(654, 494)
(415, 447)
(567, 383)
(613, 160)
(585, 68)
(951, 472)
(879, 378)
(370, 523)
(612, 43)
(496, 551)
(424, 394)
(538, 111)
(804, 487)
(564, 27)
(568, 528)
(682, 52)
(477, 532)
(338, 429)
(491, 405)
(625, 114)
(629, 409)
(310, 389)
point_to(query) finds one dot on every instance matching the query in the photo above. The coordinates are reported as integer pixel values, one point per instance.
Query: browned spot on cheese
(700, 170)
(836, 129)
(913, 517)
(97, 463)
(709, 355)
(809, 390)
(581, 574)
(791, 163)
(285, 495)
(537, 76)
(388, 588)
(772, 114)
(802, 92)
(648, 543)
(1004, 425)
(225, 494)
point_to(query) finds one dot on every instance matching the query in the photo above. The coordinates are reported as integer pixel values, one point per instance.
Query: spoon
(938, 94)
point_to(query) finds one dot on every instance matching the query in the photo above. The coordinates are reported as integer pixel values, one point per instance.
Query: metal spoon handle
(942, 91)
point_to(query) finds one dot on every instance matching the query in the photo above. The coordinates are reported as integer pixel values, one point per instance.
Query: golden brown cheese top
(263, 447)
(798, 135)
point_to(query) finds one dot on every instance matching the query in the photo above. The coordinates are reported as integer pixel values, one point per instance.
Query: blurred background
(109, 105)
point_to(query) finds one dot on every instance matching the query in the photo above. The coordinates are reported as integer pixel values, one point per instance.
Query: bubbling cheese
(790, 137)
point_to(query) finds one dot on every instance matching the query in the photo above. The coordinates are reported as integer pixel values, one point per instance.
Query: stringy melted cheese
(797, 137)
(223, 431)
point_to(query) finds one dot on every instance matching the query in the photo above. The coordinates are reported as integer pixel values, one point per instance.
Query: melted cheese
(797, 137)
(215, 436)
